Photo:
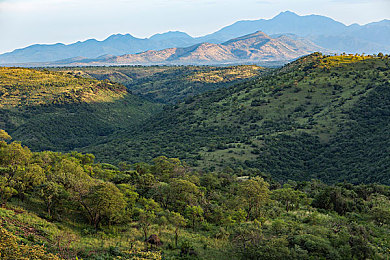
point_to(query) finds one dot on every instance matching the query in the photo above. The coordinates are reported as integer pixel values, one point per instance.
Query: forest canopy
(57, 204)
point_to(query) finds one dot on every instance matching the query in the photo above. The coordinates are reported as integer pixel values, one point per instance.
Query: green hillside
(167, 84)
(319, 117)
(59, 111)
(66, 206)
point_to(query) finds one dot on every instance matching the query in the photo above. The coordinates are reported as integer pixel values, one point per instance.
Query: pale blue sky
(25, 22)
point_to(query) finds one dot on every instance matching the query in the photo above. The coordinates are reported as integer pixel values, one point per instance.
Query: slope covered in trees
(166, 84)
(66, 206)
(59, 111)
(319, 117)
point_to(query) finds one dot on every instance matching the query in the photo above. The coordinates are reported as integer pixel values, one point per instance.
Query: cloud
(31, 5)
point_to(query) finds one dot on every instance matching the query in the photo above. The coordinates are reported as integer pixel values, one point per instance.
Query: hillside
(53, 110)
(311, 119)
(252, 48)
(66, 206)
(165, 84)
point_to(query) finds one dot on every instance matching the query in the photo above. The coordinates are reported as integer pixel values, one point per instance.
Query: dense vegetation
(323, 117)
(166, 84)
(285, 166)
(320, 117)
(59, 111)
(65, 206)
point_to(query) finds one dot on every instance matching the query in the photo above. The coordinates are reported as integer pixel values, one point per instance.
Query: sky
(26, 22)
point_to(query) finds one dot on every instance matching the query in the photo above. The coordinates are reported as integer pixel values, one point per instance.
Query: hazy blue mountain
(321, 30)
(248, 49)
(117, 44)
(285, 22)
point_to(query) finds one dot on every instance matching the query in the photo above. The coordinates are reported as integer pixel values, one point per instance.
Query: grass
(27, 87)
(72, 236)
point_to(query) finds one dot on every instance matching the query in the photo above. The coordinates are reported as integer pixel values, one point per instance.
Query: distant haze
(25, 22)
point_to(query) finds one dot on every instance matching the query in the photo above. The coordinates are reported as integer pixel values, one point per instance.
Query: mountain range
(250, 48)
(320, 30)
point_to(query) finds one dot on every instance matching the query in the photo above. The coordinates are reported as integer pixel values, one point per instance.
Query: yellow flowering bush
(11, 249)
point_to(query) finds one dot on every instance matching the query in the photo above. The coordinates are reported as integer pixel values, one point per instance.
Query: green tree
(4, 135)
(182, 193)
(194, 214)
(27, 179)
(166, 168)
(52, 193)
(254, 193)
(6, 190)
(130, 196)
(104, 201)
(13, 161)
(144, 183)
(162, 194)
(178, 221)
(147, 215)
(239, 215)
(289, 197)
(380, 209)
(14, 154)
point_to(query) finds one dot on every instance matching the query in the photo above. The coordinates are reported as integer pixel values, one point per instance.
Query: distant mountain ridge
(324, 31)
(321, 30)
(117, 44)
(250, 48)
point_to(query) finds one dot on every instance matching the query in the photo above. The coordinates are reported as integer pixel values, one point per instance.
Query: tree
(335, 198)
(194, 214)
(104, 201)
(13, 160)
(130, 196)
(178, 221)
(29, 178)
(145, 182)
(162, 194)
(69, 173)
(166, 168)
(254, 194)
(14, 154)
(51, 193)
(380, 209)
(4, 135)
(6, 190)
(182, 193)
(239, 215)
(147, 215)
(210, 181)
(289, 197)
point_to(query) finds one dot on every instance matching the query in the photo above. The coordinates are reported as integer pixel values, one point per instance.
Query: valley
(196, 162)
(302, 111)
(194, 130)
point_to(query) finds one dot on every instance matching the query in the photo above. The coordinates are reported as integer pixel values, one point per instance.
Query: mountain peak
(169, 35)
(120, 36)
(258, 34)
(286, 14)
